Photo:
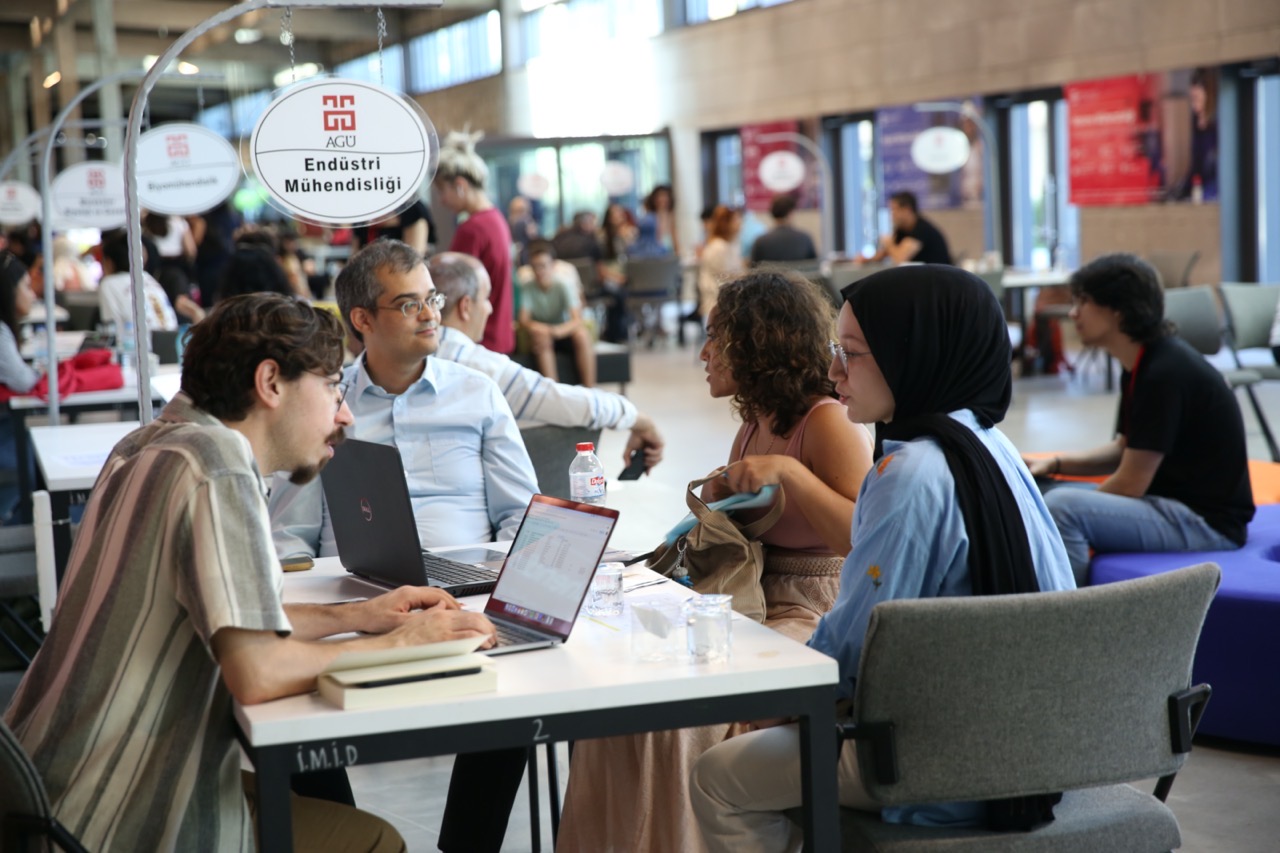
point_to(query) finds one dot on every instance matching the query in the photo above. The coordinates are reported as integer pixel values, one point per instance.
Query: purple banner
(898, 128)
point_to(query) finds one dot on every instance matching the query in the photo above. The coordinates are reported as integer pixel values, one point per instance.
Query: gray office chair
(993, 697)
(1251, 309)
(651, 284)
(1195, 312)
(1174, 268)
(551, 448)
(19, 587)
(25, 814)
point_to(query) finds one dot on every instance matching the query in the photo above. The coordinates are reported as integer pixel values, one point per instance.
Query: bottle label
(587, 486)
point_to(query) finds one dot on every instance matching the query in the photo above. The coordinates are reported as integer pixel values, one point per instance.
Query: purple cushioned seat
(1239, 652)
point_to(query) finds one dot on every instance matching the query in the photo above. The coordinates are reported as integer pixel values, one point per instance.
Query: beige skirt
(630, 794)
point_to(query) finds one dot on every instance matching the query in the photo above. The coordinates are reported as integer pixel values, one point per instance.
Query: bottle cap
(586, 446)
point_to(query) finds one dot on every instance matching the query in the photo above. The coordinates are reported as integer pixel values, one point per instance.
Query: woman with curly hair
(767, 350)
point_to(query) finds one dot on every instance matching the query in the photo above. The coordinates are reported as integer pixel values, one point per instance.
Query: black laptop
(376, 534)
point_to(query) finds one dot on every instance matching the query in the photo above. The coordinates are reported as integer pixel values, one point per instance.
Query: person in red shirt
(460, 180)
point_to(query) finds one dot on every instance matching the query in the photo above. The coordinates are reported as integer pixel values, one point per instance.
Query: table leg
(275, 821)
(818, 777)
(60, 510)
(22, 451)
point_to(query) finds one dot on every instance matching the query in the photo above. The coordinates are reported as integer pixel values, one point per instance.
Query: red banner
(756, 195)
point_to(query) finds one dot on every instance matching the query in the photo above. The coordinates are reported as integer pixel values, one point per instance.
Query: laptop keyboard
(453, 572)
(514, 635)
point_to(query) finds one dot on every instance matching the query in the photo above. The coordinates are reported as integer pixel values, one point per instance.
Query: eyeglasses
(338, 387)
(843, 355)
(413, 308)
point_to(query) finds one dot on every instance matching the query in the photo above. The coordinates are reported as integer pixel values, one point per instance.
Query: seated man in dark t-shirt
(1178, 473)
(783, 242)
(914, 238)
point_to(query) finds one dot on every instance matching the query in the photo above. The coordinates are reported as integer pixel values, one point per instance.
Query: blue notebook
(742, 500)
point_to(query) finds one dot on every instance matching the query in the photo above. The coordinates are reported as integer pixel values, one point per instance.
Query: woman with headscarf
(948, 510)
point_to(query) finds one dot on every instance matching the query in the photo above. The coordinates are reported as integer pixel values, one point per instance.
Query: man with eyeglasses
(469, 475)
(170, 606)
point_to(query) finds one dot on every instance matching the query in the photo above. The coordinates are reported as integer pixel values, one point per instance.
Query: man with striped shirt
(171, 608)
(535, 399)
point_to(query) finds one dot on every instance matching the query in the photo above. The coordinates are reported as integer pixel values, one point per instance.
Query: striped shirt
(534, 399)
(123, 710)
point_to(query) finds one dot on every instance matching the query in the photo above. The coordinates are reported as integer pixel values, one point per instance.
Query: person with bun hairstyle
(461, 179)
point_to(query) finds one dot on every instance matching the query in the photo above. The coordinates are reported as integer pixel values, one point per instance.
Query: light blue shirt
(470, 477)
(909, 541)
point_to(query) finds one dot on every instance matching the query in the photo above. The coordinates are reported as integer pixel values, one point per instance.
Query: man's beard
(305, 474)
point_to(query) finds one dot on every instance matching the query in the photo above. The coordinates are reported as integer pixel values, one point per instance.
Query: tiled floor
(1225, 799)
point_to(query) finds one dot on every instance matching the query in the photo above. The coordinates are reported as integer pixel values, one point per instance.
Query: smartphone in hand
(635, 467)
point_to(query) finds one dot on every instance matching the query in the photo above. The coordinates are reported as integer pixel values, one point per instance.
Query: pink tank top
(792, 530)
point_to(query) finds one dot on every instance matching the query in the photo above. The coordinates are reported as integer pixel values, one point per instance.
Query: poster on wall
(1144, 138)
(759, 168)
(898, 128)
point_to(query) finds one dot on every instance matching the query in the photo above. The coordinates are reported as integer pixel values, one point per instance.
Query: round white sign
(90, 195)
(533, 186)
(336, 152)
(940, 150)
(185, 168)
(781, 171)
(617, 178)
(19, 203)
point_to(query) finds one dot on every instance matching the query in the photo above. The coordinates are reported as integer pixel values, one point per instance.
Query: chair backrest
(1194, 310)
(586, 274)
(551, 448)
(1012, 695)
(83, 318)
(994, 280)
(165, 344)
(1251, 310)
(653, 277)
(1174, 267)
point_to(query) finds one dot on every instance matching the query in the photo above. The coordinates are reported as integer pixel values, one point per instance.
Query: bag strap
(755, 529)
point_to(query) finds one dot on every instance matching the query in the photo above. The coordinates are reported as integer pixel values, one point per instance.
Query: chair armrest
(877, 736)
(1185, 709)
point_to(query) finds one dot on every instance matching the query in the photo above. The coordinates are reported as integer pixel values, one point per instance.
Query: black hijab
(940, 339)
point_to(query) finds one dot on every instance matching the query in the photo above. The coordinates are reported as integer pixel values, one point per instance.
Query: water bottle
(586, 476)
(128, 346)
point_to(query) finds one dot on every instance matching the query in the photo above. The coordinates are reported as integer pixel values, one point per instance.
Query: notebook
(547, 573)
(377, 536)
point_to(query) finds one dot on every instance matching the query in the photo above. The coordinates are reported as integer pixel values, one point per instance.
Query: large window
(697, 11)
(571, 170)
(1268, 142)
(1044, 226)
(563, 29)
(858, 191)
(386, 69)
(456, 54)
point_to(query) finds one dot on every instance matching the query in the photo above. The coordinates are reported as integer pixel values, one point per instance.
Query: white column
(110, 108)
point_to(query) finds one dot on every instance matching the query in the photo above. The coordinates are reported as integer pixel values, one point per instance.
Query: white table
(121, 399)
(587, 688)
(69, 458)
(37, 315)
(67, 344)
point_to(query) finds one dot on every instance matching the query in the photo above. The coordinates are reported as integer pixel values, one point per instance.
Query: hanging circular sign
(90, 195)
(781, 171)
(336, 152)
(19, 203)
(617, 178)
(940, 150)
(185, 168)
(533, 186)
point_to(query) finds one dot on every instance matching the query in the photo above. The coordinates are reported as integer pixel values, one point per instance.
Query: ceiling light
(52, 80)
(149, 60)
(292, 75)
(246, 35)
(188, 68)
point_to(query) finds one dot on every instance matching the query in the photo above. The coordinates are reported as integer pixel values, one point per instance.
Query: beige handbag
(719, 555)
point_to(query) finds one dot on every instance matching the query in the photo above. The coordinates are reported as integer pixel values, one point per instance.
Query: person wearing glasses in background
(170, 606)
(470, 477)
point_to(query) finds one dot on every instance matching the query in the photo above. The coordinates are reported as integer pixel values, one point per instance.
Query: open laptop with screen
(547, 573)
(376, 534)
